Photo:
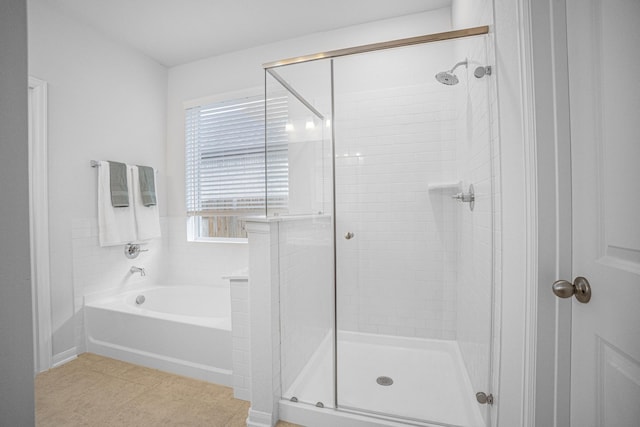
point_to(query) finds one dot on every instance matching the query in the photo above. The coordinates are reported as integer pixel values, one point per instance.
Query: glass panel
(305, 231)
(300, 182)
(414, 266)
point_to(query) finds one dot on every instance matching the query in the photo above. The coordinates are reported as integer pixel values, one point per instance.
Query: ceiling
(175, 32)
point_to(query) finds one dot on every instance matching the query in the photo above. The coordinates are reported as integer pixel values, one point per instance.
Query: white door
(604, 75)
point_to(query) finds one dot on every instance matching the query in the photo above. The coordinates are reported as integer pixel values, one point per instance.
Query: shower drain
(384, 380)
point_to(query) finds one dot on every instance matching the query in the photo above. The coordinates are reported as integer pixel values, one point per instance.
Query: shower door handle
(349, 235)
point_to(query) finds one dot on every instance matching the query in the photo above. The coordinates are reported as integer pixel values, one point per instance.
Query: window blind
(225, 157)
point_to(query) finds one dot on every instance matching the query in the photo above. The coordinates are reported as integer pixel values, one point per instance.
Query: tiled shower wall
(397, 276)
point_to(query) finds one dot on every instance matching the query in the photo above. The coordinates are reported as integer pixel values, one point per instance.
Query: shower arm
(457, 65)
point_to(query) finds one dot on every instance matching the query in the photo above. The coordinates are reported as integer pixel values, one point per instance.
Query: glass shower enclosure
(384, 187)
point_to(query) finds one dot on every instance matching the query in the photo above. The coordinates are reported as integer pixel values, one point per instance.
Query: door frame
(39, 225)
(552, 387)
(535, 326)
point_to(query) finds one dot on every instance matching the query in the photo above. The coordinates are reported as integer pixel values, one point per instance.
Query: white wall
(16, 333)
(200, 263)
(106, 102)
(471, 13)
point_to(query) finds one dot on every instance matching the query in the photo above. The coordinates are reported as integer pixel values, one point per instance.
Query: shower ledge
(449, 186)
(242, 274)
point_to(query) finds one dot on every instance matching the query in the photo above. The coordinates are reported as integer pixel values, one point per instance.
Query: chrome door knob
(580, 288)
(349, 235)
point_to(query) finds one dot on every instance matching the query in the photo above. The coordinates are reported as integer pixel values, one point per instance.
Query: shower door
(414, 269)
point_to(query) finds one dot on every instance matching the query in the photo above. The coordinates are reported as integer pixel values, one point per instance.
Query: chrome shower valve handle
(469, 197)
(132, 250)
(464, 197)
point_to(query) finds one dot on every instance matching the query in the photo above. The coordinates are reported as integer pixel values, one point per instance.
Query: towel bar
(96, 164)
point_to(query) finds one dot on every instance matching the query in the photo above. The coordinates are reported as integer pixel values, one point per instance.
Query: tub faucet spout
(135, 270)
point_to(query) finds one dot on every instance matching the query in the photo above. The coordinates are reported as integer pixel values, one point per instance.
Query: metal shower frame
(429, 38)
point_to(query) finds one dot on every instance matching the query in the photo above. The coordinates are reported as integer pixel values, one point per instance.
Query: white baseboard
(64, 357)
(242, 394)
(161, 362)
(259, 419)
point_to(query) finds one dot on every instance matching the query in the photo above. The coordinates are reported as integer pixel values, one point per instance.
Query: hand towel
(116, 224)
(147, 185)
(119, 185)
(147, 218)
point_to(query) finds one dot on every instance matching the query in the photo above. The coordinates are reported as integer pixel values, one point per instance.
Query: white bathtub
(180, 329)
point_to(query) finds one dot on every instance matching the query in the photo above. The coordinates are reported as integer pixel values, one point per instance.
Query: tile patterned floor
(97, 391)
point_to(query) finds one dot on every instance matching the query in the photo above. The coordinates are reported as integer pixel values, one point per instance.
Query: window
(225, 164)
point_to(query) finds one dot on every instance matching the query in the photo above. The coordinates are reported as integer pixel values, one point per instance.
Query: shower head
(447, 77)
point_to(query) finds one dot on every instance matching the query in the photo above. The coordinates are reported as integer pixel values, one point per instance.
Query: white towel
(116, 225)
(147, 218)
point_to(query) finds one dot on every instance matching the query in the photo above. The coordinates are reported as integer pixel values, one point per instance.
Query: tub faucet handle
(132, 250)
(135, 269)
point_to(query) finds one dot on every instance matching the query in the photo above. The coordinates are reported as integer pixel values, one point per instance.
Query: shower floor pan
(429, 380)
